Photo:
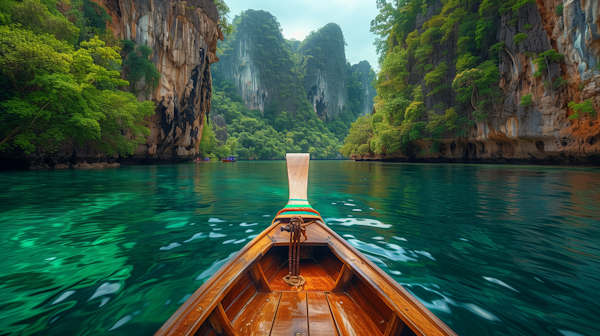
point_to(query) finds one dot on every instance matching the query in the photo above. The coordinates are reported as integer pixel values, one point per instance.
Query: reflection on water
(491, 250)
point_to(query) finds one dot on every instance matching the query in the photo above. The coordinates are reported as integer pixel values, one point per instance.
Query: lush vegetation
(463, 31)
(289, 122)
(586, 107)
(254, 136)
(60, 75)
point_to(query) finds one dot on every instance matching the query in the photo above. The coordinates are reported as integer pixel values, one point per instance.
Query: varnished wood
(235, 291)
(395, 327)
(205, 330)
(278, 261)
(315, 276)
(343, 280)
(363, 300)
(349, 317)
(259, 279)
(292, 315)
(316, 236)
(257, 316)
(330, 263)
(369, 296)
(320, 320)
(297, 167)
(241, 301)
(220, 323)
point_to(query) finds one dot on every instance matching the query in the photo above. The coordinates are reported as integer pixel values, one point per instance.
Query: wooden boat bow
(345, 293)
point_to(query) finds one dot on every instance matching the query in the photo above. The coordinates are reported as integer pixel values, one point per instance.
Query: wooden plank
(277, 263)
(259, 279)
(205, 330)
(268, 258)
(220, 323)
(371, 297)
(306, 252)
(331, 271)
(395, 326)
(241, 301)
(297, 168)
(256, 318)
(343, 280)
(236, 290)
(292, 316)
(320, 321)
(349, 317)
(315, 276)
(363, 301)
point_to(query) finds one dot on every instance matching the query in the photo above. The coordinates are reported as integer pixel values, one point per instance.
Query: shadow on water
(491, 250)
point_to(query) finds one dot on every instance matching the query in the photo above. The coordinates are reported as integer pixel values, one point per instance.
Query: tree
(543, 63)
(58, 94)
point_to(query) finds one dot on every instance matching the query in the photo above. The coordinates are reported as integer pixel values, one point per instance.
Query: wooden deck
(309, 310)
(307, 313)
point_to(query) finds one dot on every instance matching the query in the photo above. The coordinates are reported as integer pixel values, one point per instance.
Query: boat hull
(345, 293)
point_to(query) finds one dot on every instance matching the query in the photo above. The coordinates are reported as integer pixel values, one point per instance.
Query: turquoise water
(491, 250)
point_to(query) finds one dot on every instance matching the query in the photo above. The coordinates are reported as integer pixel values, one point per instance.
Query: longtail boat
(298, 277)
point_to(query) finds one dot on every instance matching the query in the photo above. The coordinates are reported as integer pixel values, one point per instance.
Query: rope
(295, 228)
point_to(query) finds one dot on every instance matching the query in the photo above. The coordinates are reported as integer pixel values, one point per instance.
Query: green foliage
(55, 89)
(476, 87)
(544, 59)
(224, 24)
(449, 121)
(269, 136)
(559, 83)
(586, 107)
(520, 3)
(96, 15)
(527, 100)
(559, 9)
(520, 37)
(35, 16)
(358, 140)
(527, 26)
(140, 67)
(498, 46)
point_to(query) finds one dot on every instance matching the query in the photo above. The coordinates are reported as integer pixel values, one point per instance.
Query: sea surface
(491, 250)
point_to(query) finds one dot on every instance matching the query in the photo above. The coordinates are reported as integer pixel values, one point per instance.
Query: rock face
(183, 36)
(325, 77)
(272, 74)
(220, 127)
(258, 60)
(366, 75)
(541, 133)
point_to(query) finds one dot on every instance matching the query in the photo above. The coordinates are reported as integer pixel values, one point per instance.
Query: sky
(299, 17)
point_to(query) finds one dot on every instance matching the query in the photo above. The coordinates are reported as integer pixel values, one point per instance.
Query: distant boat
(299, 277)
(229, 159)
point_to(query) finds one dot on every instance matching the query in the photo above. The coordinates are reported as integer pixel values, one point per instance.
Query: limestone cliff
(325, 76)
(272, 74)
(365, 75)
(258, 60)
(183, 36)
(542, 132)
